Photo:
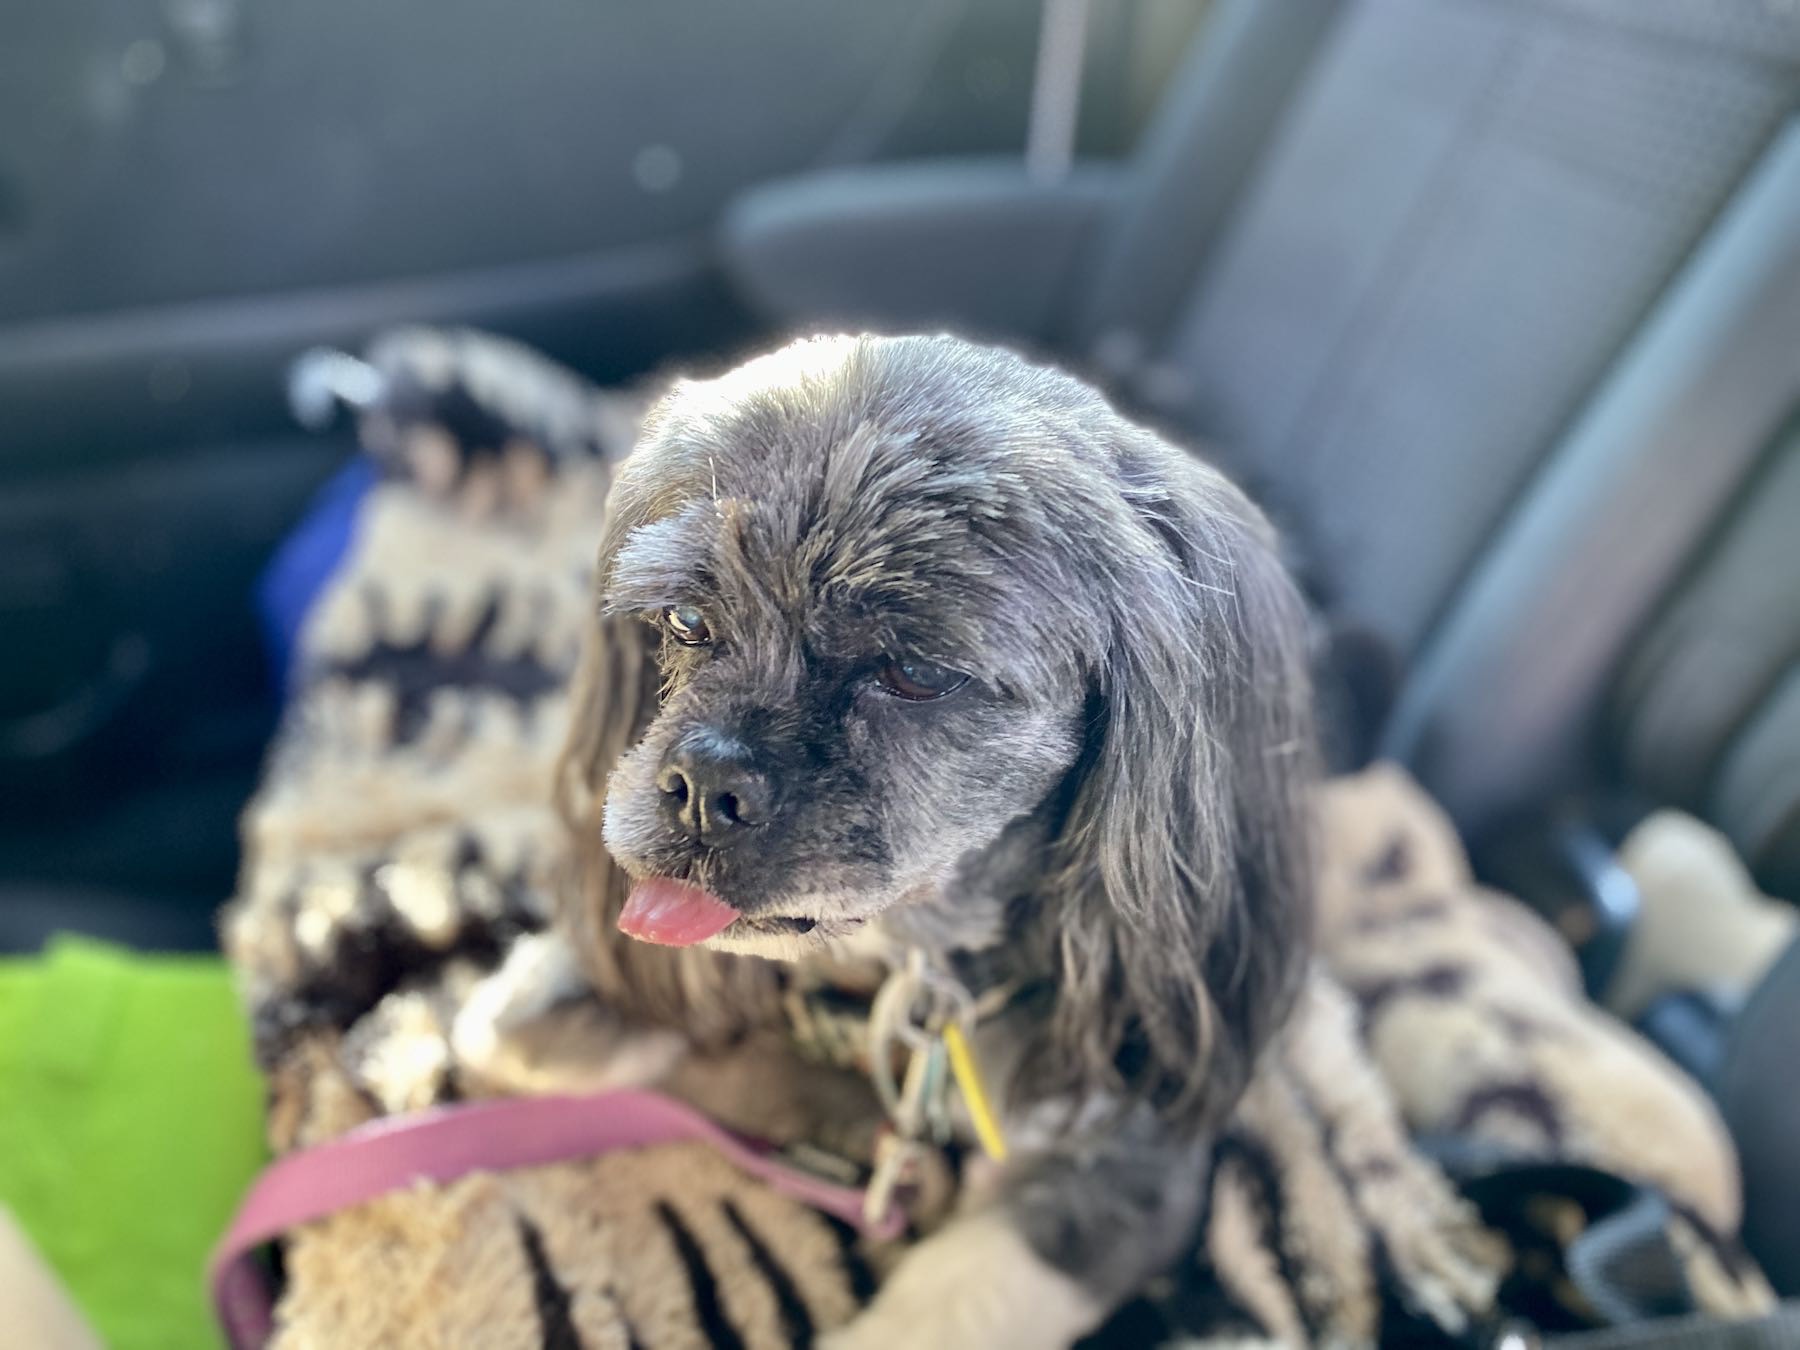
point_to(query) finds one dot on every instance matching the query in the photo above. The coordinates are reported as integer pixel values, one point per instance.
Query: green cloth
(130, 1124)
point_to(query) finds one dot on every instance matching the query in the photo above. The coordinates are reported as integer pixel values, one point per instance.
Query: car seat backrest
(1441, 255)
(1506, 704)
(1707, 710)
(1463, 214)
(1215, 121)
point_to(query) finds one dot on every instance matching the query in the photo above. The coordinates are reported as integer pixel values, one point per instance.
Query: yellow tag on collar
(974, 1095)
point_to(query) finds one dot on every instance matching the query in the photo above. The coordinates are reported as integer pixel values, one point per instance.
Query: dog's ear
(1183, 864)
(615, 695)
(611, 701)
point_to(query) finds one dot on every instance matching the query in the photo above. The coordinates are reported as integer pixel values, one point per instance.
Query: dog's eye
(687, 625)
(918, 680)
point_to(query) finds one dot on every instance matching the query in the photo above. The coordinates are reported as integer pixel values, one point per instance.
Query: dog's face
(911, 627)
(871, 607)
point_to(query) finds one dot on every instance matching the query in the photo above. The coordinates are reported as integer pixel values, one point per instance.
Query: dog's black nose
(710, 790)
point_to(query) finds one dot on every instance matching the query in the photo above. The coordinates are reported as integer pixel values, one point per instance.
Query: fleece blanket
(1448, 1142)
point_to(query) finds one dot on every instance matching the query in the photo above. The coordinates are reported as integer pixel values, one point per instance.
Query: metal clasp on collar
(924, 1012)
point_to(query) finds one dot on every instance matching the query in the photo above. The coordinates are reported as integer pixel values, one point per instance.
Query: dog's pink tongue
(673, 913)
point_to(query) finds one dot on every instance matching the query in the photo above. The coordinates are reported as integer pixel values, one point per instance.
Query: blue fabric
(303, 563)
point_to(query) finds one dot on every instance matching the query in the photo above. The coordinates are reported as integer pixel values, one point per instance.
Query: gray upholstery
(1468, 208)
(1721, 645)
(1500, 320)
(1756, 797)
(1504, 707)
(1708, 709)
(1224, 104)
(977, 245)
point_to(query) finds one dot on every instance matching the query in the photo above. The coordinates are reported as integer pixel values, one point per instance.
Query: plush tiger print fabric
(403, 845)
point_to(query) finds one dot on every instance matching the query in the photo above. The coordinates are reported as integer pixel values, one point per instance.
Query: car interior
(1495, 306)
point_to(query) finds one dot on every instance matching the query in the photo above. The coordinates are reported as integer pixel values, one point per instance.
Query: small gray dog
(906, 645)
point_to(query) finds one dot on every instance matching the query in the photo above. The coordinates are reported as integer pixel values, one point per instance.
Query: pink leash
(448, 1142)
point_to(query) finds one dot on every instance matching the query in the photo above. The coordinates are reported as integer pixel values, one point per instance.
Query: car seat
(1498, 307)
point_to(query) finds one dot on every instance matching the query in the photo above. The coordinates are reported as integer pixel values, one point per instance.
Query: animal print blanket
(1432, 1153)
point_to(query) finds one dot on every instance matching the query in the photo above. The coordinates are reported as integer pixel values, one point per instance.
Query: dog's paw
(975, 1285)
(479, 421)
(533, 1026)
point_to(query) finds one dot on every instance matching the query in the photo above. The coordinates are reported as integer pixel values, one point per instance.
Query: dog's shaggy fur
(392, 936)
(1109, 817)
